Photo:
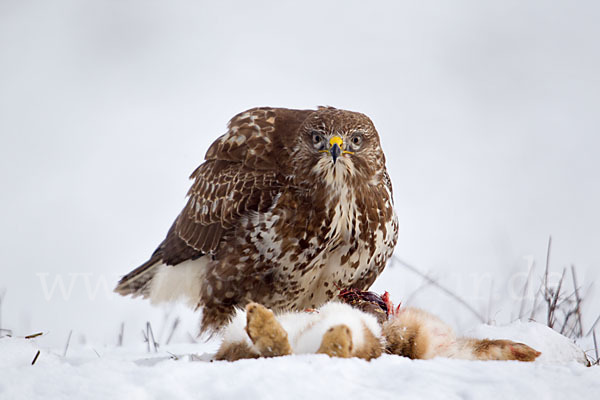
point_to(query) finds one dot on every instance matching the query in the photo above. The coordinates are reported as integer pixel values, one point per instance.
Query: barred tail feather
(137, 282)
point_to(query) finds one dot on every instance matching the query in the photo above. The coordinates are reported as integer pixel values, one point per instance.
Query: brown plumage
(288, 205)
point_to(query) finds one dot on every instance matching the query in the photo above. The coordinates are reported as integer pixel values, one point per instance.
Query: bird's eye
(317, 138)
(356, 140)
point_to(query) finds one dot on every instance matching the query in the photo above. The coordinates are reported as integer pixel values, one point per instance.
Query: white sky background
(488, 112)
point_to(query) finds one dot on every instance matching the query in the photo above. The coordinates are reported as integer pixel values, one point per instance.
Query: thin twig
(573, 308)
(145, 334)
(593, 326)
(552, 300)
(1, 301)
(36, 357)
(68, 341)
(525, 287)
(410, 297)
(150, 336)
(489, 310)
(173, 328)
(535, 306)
(442, 288)
(547, 290)
(578, 299)
(596, 349)
(567, 318)
(122, 331)
(547, 265)
(566, 299)
(544, 285)
(34, 335)
(154, 343)
(563, 311)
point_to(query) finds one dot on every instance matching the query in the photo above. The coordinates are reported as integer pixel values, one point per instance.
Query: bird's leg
(337, 342)
(268, 336)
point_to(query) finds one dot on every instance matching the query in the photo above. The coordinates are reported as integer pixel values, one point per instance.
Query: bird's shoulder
(260, 138)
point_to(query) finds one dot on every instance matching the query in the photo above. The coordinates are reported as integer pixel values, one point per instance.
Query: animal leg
(487, 349)
(235, 351)
(337, 342)
(371, 348)
(415, 334)
(267, 334)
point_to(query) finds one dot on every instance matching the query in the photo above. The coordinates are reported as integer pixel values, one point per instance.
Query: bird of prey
(288, 207)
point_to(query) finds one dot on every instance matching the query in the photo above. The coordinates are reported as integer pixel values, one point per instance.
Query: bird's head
(337, 146)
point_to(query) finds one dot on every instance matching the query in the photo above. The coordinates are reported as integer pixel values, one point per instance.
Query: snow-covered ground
(488, 116)
(186, 372)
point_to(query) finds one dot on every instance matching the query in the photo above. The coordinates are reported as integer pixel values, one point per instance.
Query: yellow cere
(336, 140)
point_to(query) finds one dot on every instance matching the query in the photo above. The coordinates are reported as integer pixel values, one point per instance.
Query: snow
(176, 372)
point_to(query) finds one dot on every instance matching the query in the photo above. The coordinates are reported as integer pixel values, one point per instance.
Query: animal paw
(268, 336)
(504, 350)
(337, 342)
(522, 352)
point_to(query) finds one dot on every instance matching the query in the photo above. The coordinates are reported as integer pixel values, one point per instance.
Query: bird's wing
(222, 192)
(242, 173)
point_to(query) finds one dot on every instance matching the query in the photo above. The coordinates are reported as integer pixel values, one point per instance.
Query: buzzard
(288, 207)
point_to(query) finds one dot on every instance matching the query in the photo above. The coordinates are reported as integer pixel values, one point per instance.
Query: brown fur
(487, 349)
(372, 347)
(235, 351)
(413, 333)
(417, 334)
(405, 337)
(269, 338)
(337, 342)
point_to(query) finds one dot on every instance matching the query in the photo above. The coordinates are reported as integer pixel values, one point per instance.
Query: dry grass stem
(36, 357)
(525, 288)
(68, 342)
(173, 329)
(149, 337)
(593, 326)
(596, 349)
(121, 333)
(34, 335)
(440, 287)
